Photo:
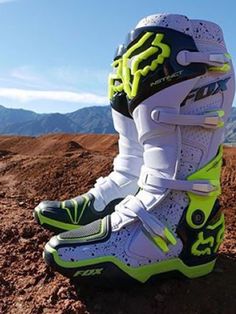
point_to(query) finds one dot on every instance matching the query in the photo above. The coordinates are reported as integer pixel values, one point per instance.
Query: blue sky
(55, 55)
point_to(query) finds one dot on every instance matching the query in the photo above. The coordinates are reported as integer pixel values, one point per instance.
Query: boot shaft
(177, 114)
(179, 79)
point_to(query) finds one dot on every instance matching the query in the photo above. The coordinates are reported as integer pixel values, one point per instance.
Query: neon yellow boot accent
(212, 242)
(210, 172)
(170, 237)
(224, 68)
(63, 206)
(131, 63)
(76, 218)
(201, 241)
(220, 235)
(142, 273)
(78, 212)
(115, 84)
(161, 243)
(102, 232)
(55, 223)
(86, 203)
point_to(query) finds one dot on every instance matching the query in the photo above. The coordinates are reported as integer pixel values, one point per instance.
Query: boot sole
(108, 266)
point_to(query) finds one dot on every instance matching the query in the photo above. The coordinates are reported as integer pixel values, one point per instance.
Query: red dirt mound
(55, 144)
(62, 166)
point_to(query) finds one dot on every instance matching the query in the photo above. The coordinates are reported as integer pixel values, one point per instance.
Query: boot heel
(202, 245)
(199, 271)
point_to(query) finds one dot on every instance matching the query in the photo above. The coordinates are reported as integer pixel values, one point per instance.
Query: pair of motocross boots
(171, 92)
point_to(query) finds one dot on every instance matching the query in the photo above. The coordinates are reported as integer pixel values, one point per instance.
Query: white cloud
(50, 89)
(24, 96)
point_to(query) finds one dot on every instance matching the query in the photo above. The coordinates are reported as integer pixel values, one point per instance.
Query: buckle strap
(153, 227)
(201, 187)
(210, 120)
(186, 57)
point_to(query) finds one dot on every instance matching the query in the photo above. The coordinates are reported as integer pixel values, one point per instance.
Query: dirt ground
(62, 166)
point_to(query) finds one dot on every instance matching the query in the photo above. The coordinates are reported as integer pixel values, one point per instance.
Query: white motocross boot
(109, 191)
(179, 80)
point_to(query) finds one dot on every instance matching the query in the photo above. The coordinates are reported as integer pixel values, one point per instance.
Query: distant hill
(52, 123)
(95, 119)
(11, 116)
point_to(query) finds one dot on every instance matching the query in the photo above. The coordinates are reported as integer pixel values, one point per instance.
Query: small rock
(2, 194)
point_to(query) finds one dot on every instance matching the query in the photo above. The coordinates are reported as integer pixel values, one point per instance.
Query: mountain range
(96, 119)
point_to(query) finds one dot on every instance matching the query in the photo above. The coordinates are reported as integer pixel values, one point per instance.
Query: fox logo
(89, 272)
(137, 55)
(207, 90)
